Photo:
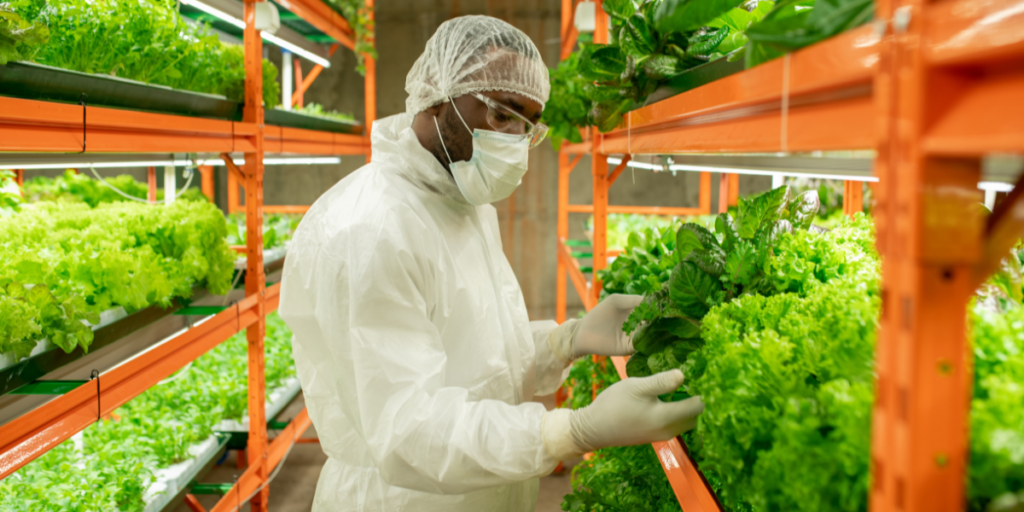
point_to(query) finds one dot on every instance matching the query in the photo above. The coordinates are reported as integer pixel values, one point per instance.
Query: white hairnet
(471, 54)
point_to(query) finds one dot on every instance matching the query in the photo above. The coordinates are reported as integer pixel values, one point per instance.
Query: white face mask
(497, 167)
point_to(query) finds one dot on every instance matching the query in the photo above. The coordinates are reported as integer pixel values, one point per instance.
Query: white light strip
(995, 186)
(638, 165)
(178, 163)
(734, 170)
(312, 57)
(756, 172)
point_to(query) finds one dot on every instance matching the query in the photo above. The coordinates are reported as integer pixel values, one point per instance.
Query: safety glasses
(505, 120)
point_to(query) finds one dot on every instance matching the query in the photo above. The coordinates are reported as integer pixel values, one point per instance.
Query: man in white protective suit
(417, 359)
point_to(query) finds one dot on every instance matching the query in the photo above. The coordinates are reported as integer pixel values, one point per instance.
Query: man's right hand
(627, 413)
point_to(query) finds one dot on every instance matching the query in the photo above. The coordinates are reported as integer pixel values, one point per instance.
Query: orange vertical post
(297, 97)
(206, 171)
(255, 280)
(705, 193)
(599, 170)
(733, 198)
(563, 234)
(19, 178)
(853, 197)
(919, 438)
(723, 193)
(233, 200)
(151, 184)
(370, 82)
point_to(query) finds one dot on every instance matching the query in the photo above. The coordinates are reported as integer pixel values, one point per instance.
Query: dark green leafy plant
(708, 272)
(568, 107)
(643, 264)
(653, 41)
(623, 479)
(358, 17)
(794, 24)
(19, 39)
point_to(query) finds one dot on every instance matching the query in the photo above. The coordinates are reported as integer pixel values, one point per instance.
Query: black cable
(82, 100)
(99, 405)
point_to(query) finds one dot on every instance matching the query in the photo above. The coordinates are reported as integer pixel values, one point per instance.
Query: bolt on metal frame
(932, 86)
(40, 126)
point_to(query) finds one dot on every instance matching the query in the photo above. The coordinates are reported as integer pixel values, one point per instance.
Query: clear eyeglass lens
(505, 123)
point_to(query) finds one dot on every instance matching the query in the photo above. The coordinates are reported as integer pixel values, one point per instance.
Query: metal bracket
(901, 19)
(221, 489)
(200, 310)
(48, 387)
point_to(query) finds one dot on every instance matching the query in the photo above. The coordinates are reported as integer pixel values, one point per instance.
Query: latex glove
(627, 413)
(599, 332)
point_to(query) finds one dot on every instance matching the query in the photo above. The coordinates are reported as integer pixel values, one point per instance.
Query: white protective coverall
(412, 341)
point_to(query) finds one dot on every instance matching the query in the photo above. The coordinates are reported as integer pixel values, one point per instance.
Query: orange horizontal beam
(42, 126)
(29, 436)
(687, 484)
(973, 32)
(285, 208)
(279, 139)
(983, 115)
(639, 210)
(577, 148)
(324, 18)
(579, 281)
(827, 89)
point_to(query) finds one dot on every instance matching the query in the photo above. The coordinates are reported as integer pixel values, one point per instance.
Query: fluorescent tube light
(995, 186)
(333, 160)
(735, 170)
(217, 13)
(296, 50)
(990, 186)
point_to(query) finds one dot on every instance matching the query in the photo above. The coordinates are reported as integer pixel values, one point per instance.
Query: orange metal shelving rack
(932, 87)
(39, 126)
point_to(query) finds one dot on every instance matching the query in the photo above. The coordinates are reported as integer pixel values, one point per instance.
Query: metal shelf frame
(932, 86)
(39, 126)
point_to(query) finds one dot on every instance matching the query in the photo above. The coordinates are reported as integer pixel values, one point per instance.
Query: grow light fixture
(177, 163)
(217, 13)
(738, 170)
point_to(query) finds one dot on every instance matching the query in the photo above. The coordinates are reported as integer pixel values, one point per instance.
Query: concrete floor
(293, 488)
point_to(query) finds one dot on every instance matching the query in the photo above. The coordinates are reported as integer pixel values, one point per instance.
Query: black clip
(82, 100)
(99, 408)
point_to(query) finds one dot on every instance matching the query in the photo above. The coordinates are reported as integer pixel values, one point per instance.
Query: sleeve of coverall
(550, 371)
(421, 434)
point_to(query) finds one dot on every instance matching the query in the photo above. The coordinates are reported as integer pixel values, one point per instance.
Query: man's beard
(452, 130)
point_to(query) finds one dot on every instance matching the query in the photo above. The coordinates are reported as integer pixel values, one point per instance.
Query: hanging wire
(189, 173)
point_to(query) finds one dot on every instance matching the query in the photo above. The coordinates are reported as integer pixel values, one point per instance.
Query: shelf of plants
(137, 256)
(821, 369)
